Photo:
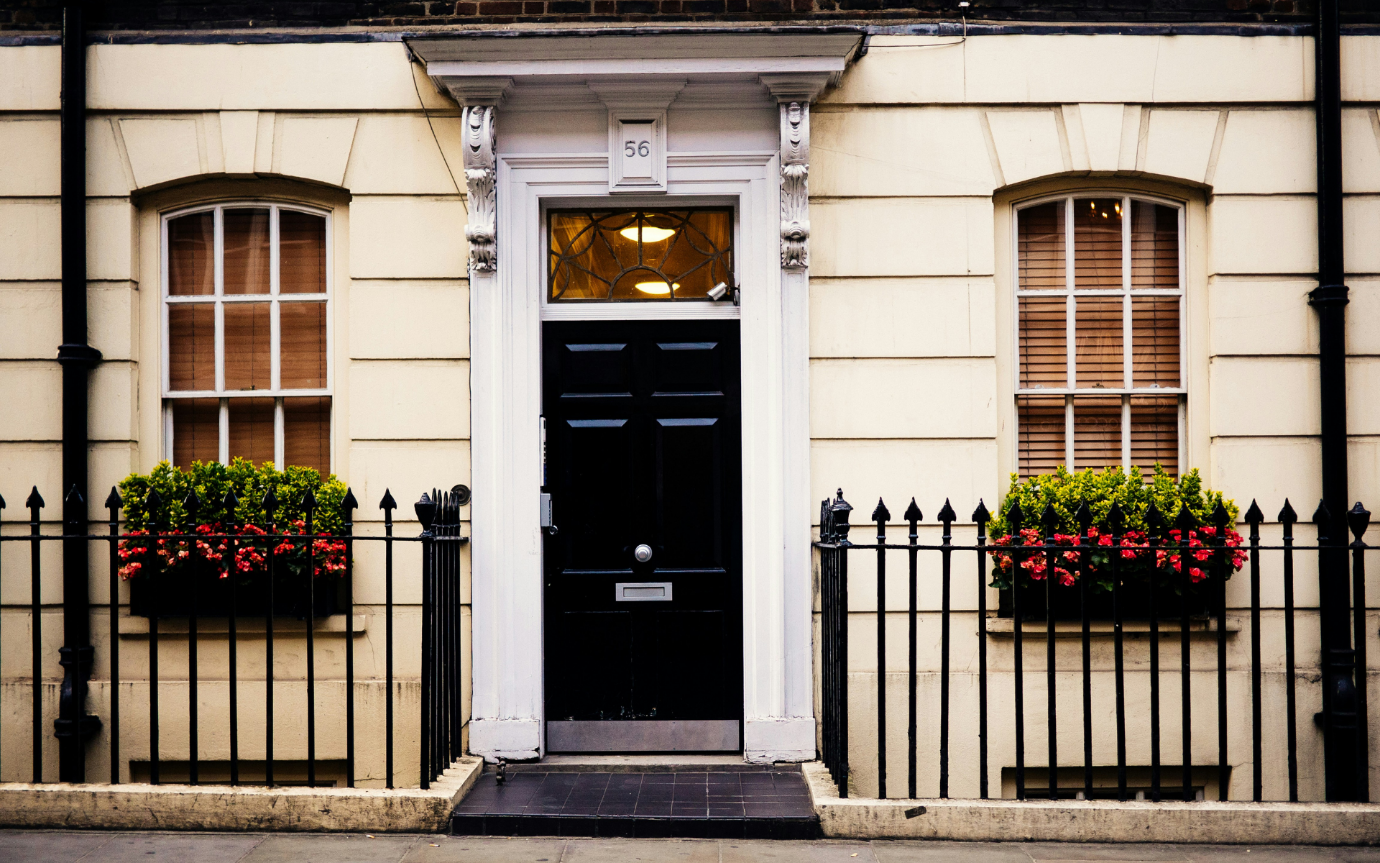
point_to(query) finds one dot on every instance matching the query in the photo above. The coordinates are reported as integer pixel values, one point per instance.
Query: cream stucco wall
(915, 160)
(346, 129)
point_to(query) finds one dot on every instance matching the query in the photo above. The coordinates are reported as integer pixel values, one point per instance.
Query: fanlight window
(639, 254)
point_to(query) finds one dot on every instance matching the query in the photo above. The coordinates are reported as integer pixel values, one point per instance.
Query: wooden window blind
(1099, 341)
(247, 336)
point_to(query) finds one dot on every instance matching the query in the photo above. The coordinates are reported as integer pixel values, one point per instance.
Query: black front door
(643, 573)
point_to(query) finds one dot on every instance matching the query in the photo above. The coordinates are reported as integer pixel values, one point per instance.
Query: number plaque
(637, 157)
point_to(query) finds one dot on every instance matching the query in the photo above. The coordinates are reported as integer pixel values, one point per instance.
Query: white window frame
(219, 299)
(1071, 290)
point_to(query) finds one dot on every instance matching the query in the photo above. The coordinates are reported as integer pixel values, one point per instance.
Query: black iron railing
(1343, 721)
(440, 720)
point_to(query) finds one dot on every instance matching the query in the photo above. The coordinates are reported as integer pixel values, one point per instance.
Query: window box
(170, 594)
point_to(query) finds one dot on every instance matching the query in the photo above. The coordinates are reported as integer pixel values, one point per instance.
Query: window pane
(251, 429)
(301, 253)
(1097, 243)
(191, 255)
(1044, 342)
(1041, 247)
(196, 431)
(247, 346)
(1155, 432)
(1096, 432)
(1155, 341)
(246, 251)
(639, 254)
(192, 347)
(1041, 423)
(1097, 331)
(302, 341)
(307, 433)
(1154, 246)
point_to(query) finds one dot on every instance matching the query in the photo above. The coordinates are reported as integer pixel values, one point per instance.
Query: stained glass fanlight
(630, 255)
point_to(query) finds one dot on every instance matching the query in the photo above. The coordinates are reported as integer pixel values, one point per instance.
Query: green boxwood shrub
(213, 480)
(1136, 560)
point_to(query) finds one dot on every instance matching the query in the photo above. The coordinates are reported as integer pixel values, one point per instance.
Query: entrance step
(654, 801)
(680, 763)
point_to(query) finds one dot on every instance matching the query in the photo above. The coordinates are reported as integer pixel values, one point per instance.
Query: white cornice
(793, 66)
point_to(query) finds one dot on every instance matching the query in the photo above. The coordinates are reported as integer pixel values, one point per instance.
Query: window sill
(1004, 627)
(219, 627)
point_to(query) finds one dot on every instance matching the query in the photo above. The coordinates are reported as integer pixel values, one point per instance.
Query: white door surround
(507, 287)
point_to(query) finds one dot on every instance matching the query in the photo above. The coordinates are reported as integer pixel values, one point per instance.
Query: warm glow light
(650, 234)
(655, 287)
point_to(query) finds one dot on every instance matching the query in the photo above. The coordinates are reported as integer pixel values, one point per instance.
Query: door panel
(643, 447)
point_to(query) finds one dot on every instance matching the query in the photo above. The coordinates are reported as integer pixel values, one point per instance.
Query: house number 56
(637, 148)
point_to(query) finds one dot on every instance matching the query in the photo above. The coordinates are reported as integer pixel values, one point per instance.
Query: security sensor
(719, 291)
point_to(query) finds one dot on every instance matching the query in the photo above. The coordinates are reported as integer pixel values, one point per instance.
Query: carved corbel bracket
(795, 192)
(794, 93)
(481, 187)
(480, 98)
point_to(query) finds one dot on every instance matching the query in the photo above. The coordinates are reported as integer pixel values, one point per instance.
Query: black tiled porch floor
(761, 804)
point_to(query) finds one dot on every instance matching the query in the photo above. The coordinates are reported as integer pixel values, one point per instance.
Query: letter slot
(643, 591)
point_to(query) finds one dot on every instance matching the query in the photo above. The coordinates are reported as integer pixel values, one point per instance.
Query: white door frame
(505, 400)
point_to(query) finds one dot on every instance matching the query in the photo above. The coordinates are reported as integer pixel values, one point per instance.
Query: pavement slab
(89, 846)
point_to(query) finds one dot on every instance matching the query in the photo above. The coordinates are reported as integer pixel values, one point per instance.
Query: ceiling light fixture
(659, 288)
(650, 233)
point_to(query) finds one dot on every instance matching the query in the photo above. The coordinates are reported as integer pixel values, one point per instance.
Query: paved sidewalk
(56, 846)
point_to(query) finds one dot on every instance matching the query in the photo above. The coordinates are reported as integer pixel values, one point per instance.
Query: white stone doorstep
(223, 808)
(1205, 822)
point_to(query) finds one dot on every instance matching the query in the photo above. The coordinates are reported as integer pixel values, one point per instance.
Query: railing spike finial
(1154, 519)
(1116, 518)
(426, 511)
(191, 503)
(229, 504)
(74, 496)
(112, 500)
(981, 515)
(1015, 517)
(1322, 516)
(387, 503)
(841, 511)
(309, 501)
(270, 504)
(1185, 520)
(350, 502)
(35, 500)
(1049, 518)
(881, 514)
(913, 513)
(1254, 515)
(947, 514)
(1084, 517)
(1358, 518)
(1287, 514)
(1220, 517)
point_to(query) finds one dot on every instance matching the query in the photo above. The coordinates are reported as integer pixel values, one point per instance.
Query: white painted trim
(633, 67)
(506, 312)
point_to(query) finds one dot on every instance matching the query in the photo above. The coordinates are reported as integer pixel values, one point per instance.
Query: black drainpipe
(1338, 717)
(73, 726)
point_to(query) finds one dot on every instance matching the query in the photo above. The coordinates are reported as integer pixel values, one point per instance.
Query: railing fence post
(981, 516)
(113, 503)
(426, 514)
(881, 515)
(1358, 518)
(347, 514)
(912, 517)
